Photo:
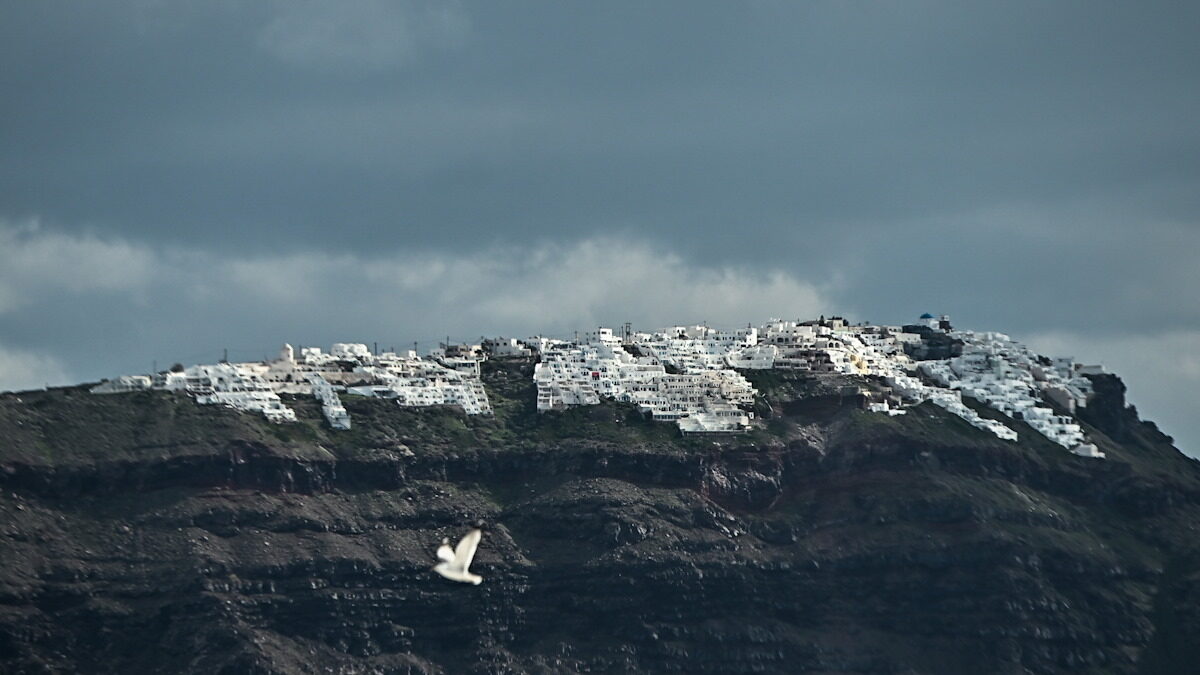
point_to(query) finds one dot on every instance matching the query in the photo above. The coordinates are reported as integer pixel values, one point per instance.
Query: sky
(182, 178)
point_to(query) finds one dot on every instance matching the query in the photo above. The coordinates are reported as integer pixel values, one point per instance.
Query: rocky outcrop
(835, 542)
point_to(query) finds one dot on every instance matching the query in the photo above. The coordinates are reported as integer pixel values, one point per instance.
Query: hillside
(143, 532)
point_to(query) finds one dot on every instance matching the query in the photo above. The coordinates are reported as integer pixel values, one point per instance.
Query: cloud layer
(22, 369)
(34, 264)
(360, 34)
(176, 302)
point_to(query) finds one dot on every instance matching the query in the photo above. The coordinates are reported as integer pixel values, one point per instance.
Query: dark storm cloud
(563, 116)
(1029, 167)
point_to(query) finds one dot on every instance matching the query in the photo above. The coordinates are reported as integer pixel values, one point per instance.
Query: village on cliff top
(688, 375)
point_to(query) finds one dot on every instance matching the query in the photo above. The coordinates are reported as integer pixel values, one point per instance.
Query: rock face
(143, 533)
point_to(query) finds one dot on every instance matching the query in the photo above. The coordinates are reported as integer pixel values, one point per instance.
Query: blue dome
(926, 315)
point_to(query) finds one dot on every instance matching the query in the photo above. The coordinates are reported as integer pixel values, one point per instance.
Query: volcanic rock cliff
(145, 533)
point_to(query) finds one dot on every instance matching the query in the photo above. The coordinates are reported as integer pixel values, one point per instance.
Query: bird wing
(465, 551)
(445, 553)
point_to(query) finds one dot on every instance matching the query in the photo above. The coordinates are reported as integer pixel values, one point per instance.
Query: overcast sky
(179, 178)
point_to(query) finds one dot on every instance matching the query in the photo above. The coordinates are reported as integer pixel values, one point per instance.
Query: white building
(599, 367)
(506, 348)
(331, 404)
(123, 384)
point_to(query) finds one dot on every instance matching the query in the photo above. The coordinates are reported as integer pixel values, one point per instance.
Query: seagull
(456, 561)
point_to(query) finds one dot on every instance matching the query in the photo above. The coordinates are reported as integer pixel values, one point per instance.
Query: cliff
(142, 532)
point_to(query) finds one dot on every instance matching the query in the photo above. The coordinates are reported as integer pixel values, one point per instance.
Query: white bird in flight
(455, 562)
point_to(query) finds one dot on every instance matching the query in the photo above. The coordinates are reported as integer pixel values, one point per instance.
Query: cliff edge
(144, 532)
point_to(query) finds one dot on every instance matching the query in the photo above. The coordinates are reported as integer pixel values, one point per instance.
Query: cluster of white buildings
(705, 393)
(702, 394)
(331, 403)
(1010, 378)
(347, 367)
(228, 384)
(688, 375)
